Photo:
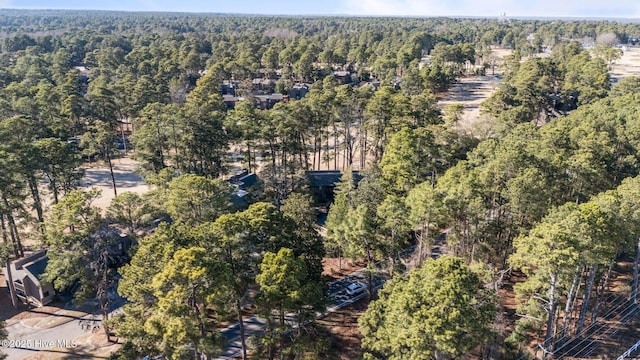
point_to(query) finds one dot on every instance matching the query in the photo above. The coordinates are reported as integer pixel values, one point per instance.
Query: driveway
(66, 332)
(338, 298)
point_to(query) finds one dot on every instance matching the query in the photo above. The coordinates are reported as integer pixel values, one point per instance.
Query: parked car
(356, 288)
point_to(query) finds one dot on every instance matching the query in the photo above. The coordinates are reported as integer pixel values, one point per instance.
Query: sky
(485, 8)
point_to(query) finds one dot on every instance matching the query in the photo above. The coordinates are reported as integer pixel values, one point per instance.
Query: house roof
(34, 264)
(37, 267)
(248, 181)
(259, 81)
(328, 178)
(273, 97)
(244, 180)
(301, 86)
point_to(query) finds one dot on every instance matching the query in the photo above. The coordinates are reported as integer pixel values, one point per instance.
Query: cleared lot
(126, 180)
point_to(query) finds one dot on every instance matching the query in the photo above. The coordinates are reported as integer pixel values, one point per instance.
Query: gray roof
(328, 178)
(248, 181)
(37, 267)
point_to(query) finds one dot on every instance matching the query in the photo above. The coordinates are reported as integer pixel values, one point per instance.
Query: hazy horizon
(587, 9)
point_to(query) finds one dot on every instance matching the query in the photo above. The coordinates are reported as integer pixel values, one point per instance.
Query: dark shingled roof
(328, 178)
(38, 267)
(248, 181)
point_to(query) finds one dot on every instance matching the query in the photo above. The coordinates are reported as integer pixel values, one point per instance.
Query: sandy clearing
(470, 92)
(127, 180)
(628, 65)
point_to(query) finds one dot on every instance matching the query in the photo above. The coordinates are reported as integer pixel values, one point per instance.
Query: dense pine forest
(542, 203)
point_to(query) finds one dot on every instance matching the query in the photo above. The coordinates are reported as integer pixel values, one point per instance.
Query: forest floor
(341, 327)
(614, 331)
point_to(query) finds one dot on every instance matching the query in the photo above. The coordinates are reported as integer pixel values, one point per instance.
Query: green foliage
(60, 163)
(195, 199)
(203, 141)
(406, 158)
(129, 209)
(3, 336)
(343, 200)
(539, 88)
(223, 257)
(280, 279)
(628, 85)
(392, 213)
(188, 284)
(439, 309)
(285, 288)
(307, 241)
(156, 135)
(152, 254)
(586, 79)
(73, 216)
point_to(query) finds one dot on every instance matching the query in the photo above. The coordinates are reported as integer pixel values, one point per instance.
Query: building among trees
(26, 274)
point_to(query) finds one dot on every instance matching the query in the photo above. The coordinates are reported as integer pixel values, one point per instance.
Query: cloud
(547, 8)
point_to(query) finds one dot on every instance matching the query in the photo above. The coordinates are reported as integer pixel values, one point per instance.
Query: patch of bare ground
(616, 328)
(337, 268)
(341, 327)
(97, 175)
(507, 301)
(628, 65)
(470, 92)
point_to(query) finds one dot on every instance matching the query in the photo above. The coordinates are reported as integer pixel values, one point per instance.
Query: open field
(628, 65)
(98, 176)
(470, 92)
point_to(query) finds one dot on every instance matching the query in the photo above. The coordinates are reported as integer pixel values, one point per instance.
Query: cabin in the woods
(298, 91)
(323, 183)
(247, 187)
(26, 274)
(265, 102)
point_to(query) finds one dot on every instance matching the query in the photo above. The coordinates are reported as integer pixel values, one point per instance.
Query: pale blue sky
(538, 8)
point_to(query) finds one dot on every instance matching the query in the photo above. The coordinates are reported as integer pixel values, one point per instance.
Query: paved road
(338, 298)
(25, 340)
